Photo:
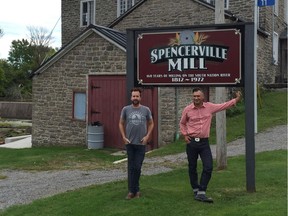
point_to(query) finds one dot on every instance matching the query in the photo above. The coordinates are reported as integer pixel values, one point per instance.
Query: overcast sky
(17, 15)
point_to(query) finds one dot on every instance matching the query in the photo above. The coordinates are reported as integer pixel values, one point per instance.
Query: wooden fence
(16, 110)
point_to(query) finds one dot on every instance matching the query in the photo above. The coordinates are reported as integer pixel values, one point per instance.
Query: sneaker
(203, 198)
(195, 191)
(137, 195)
(129, 196)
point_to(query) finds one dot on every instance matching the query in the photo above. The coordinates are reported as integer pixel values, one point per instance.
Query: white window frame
(286, 11)
(87, 17)
(123, 6)
(258, 17)
(275, 48)
(276, 8)
(226, 5)
(79, 105)
(212, 2)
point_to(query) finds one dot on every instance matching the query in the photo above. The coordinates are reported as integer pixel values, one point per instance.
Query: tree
(21, 55)
(6, 78)
(21, 61)
(41, 39)
(1, 32)
(24, 56)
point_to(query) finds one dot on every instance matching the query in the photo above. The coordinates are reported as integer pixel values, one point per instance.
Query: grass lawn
(170, 194)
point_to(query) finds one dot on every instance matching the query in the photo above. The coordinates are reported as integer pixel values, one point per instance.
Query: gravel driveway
(22, 187)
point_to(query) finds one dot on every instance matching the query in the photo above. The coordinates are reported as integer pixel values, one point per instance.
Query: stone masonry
(53, 91)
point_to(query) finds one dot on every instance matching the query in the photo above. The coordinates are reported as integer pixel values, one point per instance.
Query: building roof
(116, 36)
(113, 36)
(228, 14)
(116, 21)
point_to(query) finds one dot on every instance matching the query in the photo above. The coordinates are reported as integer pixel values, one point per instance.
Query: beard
(135, 102)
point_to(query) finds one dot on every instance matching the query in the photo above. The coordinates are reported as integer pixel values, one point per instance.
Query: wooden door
(106, 97)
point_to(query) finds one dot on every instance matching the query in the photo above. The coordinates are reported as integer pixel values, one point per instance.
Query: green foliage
(274, 109)
(15, 72)
(236, 110)
(21, 54)
(6, 77)
(170, 194)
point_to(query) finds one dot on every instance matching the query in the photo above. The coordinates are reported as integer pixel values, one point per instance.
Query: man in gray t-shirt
(135, 125)
(136, 119)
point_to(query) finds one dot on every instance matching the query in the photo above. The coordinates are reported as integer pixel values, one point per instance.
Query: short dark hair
(136, 89)
(197, 89)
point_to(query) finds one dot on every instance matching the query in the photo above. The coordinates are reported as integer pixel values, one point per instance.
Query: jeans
(202, 148)
(136, 154)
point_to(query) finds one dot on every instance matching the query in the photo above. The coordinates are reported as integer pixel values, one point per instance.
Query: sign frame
(133, 53)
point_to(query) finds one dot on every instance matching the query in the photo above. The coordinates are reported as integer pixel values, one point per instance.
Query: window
(123, 6)
(212, 2)
(286, 11)
(258, 17)
(79, 105)
(276, 8)
(87, 10)
(275, 48)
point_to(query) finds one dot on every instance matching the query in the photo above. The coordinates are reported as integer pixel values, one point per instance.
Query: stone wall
(105, 13)
(171, 104)
(53, 91)
(70, 20)
(266, 69)
(156, 13)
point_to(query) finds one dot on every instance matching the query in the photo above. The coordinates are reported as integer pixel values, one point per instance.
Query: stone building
(93, 55)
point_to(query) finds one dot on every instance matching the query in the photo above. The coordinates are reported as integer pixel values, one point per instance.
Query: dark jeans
(136, 154)
(202, 148)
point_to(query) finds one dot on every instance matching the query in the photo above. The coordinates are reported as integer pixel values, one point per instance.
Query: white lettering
(173, 65)
(188, 51)
(202, 63)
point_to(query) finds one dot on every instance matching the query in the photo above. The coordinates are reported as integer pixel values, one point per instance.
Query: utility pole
(221, 147)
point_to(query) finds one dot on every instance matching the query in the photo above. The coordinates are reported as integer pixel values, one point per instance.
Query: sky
(17, 15)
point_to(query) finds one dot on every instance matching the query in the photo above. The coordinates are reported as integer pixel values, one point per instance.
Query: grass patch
(2, 176)
(170, 194)
(56, 158)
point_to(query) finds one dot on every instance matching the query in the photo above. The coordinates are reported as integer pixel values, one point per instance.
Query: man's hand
(145, 140)
(126, 141)
(187, 139)
(238, 96)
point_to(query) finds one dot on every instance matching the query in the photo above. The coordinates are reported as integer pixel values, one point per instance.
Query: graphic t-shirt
(136, 122)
